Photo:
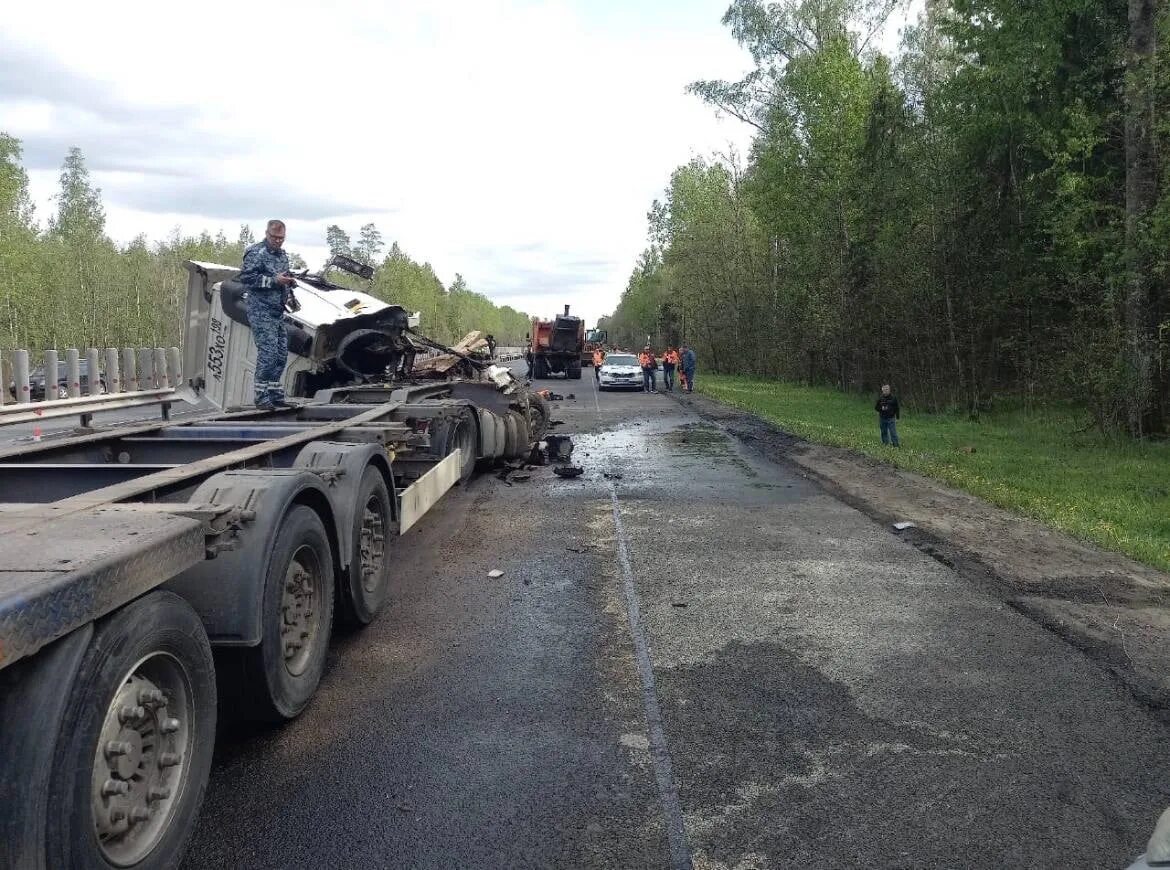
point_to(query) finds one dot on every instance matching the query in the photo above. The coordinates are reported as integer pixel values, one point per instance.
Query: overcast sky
(519, 142)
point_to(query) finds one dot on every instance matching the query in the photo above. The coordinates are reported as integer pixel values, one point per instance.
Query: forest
(65, 283)
(979, 215)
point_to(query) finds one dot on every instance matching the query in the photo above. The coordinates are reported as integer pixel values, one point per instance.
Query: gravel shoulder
(1111, 607)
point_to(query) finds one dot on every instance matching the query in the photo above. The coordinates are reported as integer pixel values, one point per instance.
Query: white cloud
(519, 142)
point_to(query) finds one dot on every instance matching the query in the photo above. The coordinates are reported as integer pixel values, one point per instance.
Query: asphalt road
(695, 657)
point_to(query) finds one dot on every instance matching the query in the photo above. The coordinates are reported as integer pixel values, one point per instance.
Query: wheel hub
(141, 760)
(300, 614)
(372, 543)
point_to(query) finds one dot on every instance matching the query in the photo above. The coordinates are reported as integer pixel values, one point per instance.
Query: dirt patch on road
(1114, 609)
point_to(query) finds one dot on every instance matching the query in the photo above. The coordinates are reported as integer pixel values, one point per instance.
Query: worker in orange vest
(598, 361)
(669, 364)
(649, 363)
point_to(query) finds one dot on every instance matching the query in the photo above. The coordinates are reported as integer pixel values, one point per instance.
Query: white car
(620, 371)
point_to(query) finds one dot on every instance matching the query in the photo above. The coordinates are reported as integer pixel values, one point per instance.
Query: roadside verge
(1114, 609)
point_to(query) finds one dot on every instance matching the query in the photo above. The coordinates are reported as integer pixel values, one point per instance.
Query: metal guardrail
(115, 379)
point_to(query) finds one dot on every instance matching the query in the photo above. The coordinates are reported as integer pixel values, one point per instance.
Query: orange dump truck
(555, 346)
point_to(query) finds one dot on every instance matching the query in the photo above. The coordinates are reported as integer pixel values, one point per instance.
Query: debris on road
(552, 423)
(678, 604)
(495, 573)
(610, 475)
(901, 527)
(560, 447)
(520, 478)
(568, 471)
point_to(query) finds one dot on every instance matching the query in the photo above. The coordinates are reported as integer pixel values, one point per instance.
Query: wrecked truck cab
(337, 337)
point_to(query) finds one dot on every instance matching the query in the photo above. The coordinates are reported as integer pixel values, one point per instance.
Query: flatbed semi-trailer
(154, 574)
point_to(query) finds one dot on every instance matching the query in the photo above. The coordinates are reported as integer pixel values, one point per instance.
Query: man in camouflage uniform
(265, 274)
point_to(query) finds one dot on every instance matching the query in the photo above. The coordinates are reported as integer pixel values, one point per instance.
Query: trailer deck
(91, 521)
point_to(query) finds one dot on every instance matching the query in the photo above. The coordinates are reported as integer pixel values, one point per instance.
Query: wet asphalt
(797, 687)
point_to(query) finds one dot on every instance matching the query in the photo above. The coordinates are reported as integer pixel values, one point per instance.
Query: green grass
(1112, 492)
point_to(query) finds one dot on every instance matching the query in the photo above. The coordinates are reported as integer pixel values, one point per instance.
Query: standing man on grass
(265, 274)
(888, 414)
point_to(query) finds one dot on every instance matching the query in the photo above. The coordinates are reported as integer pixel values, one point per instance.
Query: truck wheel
(573, 370)
(516, 427)
(368, 579)
(538, 417)
(135, 748)
(540, 368)
(283, 671)
(458, 430)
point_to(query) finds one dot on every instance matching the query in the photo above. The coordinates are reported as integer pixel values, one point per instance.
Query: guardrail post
(175, 367)
(113, 375)
(94, 366)
(20, 364)
(72, 372)
(145, 368)
(160, 369)
(51, 375)
(129, 371)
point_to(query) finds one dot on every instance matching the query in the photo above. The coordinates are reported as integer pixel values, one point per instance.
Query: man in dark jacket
(687, 363)
(265, 273)
(888, 413)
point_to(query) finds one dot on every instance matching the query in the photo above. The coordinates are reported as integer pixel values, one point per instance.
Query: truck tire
(573, 370)
(136, 741)
(365, 586)
(281, 674)
(539, 368)
(457, 430)
(538, 417)
(511, 436)
(491, 439)
(517, 435)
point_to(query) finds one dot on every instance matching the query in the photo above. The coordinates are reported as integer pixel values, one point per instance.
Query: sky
(519, 143)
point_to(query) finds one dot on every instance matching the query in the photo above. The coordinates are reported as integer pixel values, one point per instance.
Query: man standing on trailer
(265, 274)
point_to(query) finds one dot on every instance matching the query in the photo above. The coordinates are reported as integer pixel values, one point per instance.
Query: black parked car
(36, 382)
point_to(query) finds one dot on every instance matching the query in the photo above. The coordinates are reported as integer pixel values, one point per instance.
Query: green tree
(337, 240)
(369, 244)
